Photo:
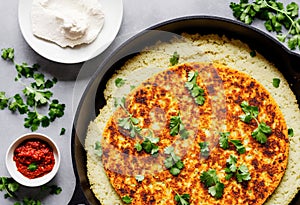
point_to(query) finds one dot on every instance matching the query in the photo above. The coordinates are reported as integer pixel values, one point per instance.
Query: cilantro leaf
(3, 100)
(231, 163)
(174, 59)
(239, 146)
(32, 167)
(62, 131)
(182, 199)
(56, 110)
(276, 82)
(138, 147)
(98, 149)
(243, 174)
(24, 70)
(223, 141)
(10, 186)
(216, 190)
(251, 112)
(204, 149)
(127, 199)
(8, 53)
(18, 104)
(261, 132)
(175, 122)
(173, 162)
(209, 178)
(291, 132)
(196, 92)
(119, 82)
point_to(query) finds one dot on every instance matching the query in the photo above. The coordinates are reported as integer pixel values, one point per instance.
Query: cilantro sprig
(148, 145)
(196, 92)
(224, 142)
(127, 199)
(34, 97)
(11, 189)
(204, 149)
(211, 180)
(251, 113)
(174, 59)
(241, 173)
(183, 199)
(275, 15)
(177, 127)
(173, 161)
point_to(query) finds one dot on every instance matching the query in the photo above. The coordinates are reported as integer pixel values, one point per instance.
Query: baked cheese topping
(151, 107)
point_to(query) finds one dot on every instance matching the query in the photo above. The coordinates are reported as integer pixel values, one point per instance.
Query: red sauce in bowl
(34, 158)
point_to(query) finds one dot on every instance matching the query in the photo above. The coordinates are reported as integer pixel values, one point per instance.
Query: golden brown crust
(163, 96)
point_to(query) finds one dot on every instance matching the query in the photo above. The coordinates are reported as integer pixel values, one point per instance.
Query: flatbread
(164, 188)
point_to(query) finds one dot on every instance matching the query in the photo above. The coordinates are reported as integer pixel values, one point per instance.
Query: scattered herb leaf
(8, 54)
(173, 162)
(139, 178)
(212, 182)
(177, 127)
(223, 141)
(62, 131)
(127, 199)
(243, 174)
(239, 146)
(291, 132)
(174, 59)
(98, 148)
(32, 167)
(196, 92)
(276, 82)
(204, 149)
(119, 82)
(182, 199)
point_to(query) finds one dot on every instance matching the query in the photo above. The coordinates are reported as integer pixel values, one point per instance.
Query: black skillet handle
(78, 197)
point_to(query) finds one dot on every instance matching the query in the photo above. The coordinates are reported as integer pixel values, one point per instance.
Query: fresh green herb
(291, 132)
(243, 174)
(132, 87)
(98, 149)
(10, 186)
(239, 146)
(262, 130)
(139, 178)
(253, 53)
(62, 131)
(182, 199)
(230, 166)
(138, 147)
(36, 95)
(212, 182)
(177, 127)
(129, 123)
(119, 102)
(32, 167)
(204, 149)
(127, 199)
(275, 16)
(174, 59)
(149, 145)
(8, 53)
(276, 82)
(173, 162)
(3, 101)
(54, 189)
(223, 141)
(196, 92)
(119, 82)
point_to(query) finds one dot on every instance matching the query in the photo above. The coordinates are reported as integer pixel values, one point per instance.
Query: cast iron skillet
(288, 62)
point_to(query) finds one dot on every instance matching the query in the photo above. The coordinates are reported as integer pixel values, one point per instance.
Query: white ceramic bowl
(12, 168)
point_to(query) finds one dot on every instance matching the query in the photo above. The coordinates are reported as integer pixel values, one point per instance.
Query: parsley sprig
(177, 127)
(275, 16)
(212, 182)
(173, 161)
(263, 130)
(196, 92)
(35, 95)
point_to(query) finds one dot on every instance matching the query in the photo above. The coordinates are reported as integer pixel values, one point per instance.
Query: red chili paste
(34, 151)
